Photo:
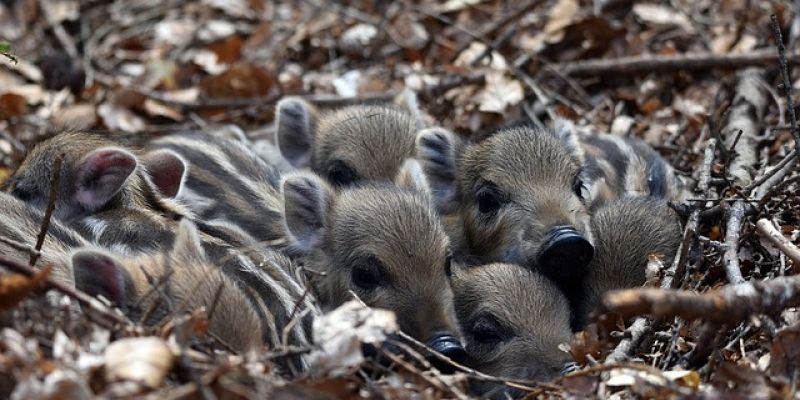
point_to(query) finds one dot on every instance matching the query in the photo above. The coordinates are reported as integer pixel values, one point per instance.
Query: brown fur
(527, 315)
(20, 223)
(393, 233)
(182, 279)
(533, 174)
(627, 231)
(365, 142)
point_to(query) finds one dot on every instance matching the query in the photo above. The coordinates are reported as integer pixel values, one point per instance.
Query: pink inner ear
(166, 171)
(101, 175)
(98, 274)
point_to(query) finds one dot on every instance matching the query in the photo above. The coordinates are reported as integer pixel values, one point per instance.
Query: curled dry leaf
(118, 118)
(499, 93)
(340, 333)
(147, 360)
(359, 40)
(15, 287)
(662, 15)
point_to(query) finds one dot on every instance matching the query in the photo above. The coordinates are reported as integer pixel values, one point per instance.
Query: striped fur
(350, 145)
(132, 214)
(614, 167)
(20, 223)
(228, 186)
(382, 242)
(191, 274)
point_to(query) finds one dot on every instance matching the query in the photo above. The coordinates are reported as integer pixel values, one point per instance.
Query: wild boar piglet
(627, 232)
(382, 242)
(250, 302)
(346, 146)
(513, 320)
(516, 196)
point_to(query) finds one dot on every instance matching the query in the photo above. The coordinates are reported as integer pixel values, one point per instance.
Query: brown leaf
(583, 343)
(12, 105)
(785, 352)
(241, 80)
(227, 50)
(15, 287)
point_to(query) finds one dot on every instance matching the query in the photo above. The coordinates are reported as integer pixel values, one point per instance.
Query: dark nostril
(566, 253)
(449, 346)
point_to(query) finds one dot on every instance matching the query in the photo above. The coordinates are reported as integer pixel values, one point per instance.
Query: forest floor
(663, 71)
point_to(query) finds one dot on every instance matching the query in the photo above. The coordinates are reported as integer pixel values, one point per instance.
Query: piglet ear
(437, 151)
(167, 171)
(100, 176)
(307, 200)
(99, 273)
(294, 120)
(412, 177)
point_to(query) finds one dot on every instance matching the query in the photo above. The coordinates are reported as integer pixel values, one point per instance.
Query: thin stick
(787, 86)
(730, 304)
(768, 230)
(51, 205)
(672, 63)
(732, 233)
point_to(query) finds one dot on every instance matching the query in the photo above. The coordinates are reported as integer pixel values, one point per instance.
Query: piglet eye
(368, 274)
(487, 330)
(577, 186)
(23, 193)
(448, 266)
(340, 174)
(488, 199)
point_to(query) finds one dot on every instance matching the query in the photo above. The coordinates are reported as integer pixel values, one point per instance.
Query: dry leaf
(455, 5)
(15, 287)
(157, 109)
(74, 117)
(662, 15)
(241, 80)
(684, 378)
(147, 360)
(500, 93)
(12, 105)
(117, 118)
(340, 333)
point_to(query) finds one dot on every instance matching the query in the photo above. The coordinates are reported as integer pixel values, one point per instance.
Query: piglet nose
(566, 254)
(447, 344)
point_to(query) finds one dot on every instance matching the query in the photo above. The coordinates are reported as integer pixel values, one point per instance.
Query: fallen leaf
(15, 287)
(241, 80)
(340, 334)
(499, 93)
(12, 105)
(157, 109)
(60, 384)
(359, 40)
(476, 49)
(147, 360)
(684, 378)
(74, 117)
(455, 5)
(347, 84)
(656, 14)
(409, 33)
(118, 118)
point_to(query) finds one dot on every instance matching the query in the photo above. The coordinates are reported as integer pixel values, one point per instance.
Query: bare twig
(731, 304)
(634, 336)
(787, 86)
(768, 230)
(672, 63)
(51, 205)
(732, 233)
